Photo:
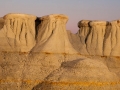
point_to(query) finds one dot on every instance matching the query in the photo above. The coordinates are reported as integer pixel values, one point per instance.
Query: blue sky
(76, 10)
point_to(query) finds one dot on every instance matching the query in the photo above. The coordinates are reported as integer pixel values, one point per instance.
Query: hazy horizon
(76, 10)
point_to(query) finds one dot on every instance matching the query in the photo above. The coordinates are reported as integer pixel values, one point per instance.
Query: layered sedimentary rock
(52, 35)
(18, 33)
(80, 74)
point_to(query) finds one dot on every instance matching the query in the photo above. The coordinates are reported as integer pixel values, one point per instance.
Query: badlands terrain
(38, 53)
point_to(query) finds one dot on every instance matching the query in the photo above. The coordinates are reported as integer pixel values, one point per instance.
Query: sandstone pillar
(18, 33)
(95, 39)
(52, 35)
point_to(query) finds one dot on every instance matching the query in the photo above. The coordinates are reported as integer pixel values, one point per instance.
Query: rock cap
(101, 23)
(55, 16)
(83, 23)
(18, 15)
(117, 22)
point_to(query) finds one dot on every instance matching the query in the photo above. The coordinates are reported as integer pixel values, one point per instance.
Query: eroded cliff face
(52, 35)
(40, 54)
(52, 47)
(18, 33)
(94, 42)
(100, 38)
(112, 42)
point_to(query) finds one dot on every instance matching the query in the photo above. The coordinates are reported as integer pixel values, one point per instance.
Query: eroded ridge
(18, 33)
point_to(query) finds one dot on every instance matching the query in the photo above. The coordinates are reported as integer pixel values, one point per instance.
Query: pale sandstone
(95, 39)
(115, 38)
(111, 40)
(84, 30)
(52, 35)
(18, 33)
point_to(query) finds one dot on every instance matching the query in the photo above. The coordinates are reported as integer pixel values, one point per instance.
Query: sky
(76, 10)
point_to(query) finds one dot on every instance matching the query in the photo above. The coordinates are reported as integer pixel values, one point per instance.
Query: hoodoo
(115, 38)
(95, 38)
(84, 30)
(52, 35)
(18, 33)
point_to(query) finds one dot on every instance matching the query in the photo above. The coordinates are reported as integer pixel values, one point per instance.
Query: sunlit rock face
(112, 39)
(52, 35)
(95, 38)
(84, 30)
(18, 33)
(99, 38)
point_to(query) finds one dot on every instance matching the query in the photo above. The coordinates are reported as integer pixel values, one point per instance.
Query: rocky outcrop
(94, 42)
(99, 38)
(80, 74)
(40, 54)
(84, 30)
(112, 39)
(52, 35)
(18, 33)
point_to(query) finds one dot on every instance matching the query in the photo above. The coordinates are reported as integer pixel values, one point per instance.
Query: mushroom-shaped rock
(52, 35)
(95, 38)
(80, 74)
(18, 33)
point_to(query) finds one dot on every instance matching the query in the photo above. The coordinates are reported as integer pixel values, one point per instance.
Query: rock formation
(52, 35)
(112, 42)
(99, 38)
(38, 53)
(84, 30)
(95, 39)
(18, 33)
